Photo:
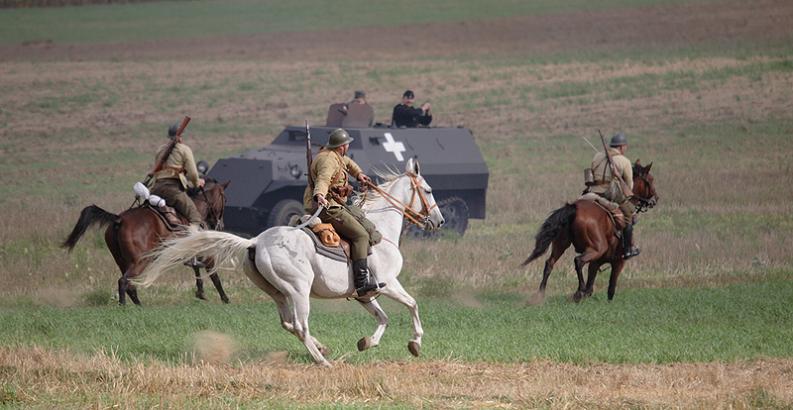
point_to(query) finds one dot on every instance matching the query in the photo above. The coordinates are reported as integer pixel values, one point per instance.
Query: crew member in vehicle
(329, 171)
(405, 115)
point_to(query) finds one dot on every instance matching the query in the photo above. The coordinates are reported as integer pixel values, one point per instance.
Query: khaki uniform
(329, 170)
(178, 173)
(603, 179)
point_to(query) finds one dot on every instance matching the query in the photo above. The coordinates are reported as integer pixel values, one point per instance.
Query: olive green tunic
(177, 174)
(328, 170)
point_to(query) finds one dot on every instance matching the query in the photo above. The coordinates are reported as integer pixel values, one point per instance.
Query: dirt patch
(638, 28)
(36, 375)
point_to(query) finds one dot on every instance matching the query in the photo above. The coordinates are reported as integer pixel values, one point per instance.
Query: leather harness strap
(407, 210)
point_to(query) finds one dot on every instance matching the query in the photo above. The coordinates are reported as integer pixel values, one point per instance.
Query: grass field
(702, 318)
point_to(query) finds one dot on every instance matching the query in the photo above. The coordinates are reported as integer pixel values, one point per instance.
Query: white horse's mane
(388, 175)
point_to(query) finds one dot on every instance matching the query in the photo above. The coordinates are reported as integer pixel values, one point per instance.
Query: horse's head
(644, 186)
(214, 195)
(415, 195)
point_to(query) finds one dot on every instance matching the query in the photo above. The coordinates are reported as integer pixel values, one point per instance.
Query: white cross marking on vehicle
(393, 146)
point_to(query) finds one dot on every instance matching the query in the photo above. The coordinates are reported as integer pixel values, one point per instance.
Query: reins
(417, 218)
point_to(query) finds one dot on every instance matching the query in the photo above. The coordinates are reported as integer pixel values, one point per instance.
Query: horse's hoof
(200, 295)
(577, 297)
(326, 364)
(364, 343)
(225, 300)
(415, 348)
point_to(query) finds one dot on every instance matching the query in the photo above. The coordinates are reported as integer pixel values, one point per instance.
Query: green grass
(176, 19)
(640, 326)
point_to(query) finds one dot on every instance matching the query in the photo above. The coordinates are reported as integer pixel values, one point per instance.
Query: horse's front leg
(199, 284)
(395, 291)
(210, 266)
(616, 269)
(382, 322)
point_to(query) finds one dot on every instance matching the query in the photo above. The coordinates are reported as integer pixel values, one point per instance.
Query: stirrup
(631, 252)
(368, 290)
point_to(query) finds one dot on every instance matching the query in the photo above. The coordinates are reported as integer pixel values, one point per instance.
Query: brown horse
(136, 231)
(591, 231)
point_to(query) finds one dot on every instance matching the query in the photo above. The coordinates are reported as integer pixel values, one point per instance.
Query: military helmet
(172, 130)
(618, 139)
(338, 138)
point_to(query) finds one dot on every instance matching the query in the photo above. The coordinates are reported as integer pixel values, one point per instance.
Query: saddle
(168, 215)
(612, 210)
(327, 241)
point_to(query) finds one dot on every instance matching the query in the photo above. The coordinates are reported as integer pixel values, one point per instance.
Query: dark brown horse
(591, 231)
(136, 231)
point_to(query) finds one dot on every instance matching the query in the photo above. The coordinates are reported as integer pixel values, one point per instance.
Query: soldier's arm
(325, 171)
(627, 173)
(352, 167)
(189, 165)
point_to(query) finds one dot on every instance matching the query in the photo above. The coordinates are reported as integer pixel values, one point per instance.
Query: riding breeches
(628, 209)
(348, 227)
(171, 190)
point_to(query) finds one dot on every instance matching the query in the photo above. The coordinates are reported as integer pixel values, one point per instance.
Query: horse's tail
(89, 216)
(226, 249)
(557, 222)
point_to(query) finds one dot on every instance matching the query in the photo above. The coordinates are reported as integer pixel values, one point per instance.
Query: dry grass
(34, 376)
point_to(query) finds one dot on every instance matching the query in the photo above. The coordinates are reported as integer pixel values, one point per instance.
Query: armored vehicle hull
(268, 183)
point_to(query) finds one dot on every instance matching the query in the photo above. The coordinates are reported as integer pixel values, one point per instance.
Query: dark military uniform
(407, 116)
(178, 173)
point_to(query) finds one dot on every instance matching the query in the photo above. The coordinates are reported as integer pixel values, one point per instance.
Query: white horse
(283, 262)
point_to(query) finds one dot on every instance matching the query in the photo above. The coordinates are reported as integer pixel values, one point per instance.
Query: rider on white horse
(329, 173)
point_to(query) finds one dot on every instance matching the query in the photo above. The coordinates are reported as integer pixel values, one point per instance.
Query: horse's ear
(225, 185)
(638, 162)
(647, 168)
(412, 166)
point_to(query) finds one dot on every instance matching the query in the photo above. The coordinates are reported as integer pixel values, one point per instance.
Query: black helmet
(172, 130)
(338, 138)
(618, 139)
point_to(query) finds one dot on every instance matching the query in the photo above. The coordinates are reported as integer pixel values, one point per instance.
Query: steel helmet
(338, 138)
(618, 139)
(172, 130)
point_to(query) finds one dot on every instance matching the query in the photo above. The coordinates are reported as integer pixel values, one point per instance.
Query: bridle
(218, 225)
(419, 218)
(644, 203)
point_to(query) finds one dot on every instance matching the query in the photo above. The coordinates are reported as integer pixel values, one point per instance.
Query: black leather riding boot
(363, 281)
(629, 249)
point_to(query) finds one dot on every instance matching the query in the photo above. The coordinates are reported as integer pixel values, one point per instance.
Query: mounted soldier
(617, 189)
(175, 173)
(328, 188)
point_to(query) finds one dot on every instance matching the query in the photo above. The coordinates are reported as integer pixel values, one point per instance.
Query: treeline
(11, 4)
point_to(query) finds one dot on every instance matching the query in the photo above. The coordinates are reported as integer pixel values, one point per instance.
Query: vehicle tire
(283, 211)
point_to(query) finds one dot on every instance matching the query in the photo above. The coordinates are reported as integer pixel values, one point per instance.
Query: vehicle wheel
(455, 212)
(283, 211)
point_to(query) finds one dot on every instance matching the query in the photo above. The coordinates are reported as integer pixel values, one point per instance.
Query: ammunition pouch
(343, 191)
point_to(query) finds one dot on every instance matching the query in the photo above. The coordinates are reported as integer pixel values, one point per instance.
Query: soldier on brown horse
(600, 230)
(136, 231)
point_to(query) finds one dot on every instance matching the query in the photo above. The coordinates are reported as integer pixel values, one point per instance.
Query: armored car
(268, 183)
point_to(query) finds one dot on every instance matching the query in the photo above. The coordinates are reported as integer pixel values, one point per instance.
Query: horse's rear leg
(558, 248)
(382, 322)
(588, 256)
(301, 306)
(395, 291)
(125, 288)
(594, 267)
